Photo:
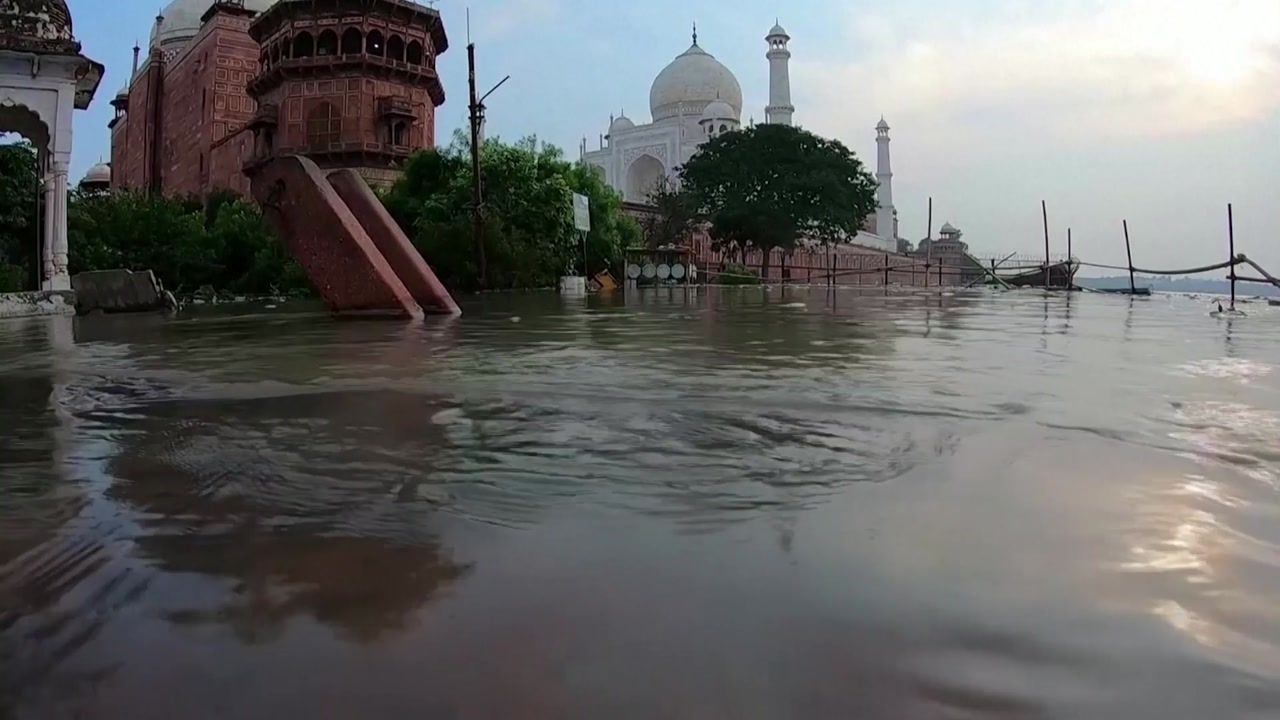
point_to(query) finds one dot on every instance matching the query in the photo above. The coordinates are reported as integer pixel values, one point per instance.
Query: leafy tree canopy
(529, 236)
(769, 186)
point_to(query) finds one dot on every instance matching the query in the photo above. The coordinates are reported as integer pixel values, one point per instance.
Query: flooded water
(725, 505)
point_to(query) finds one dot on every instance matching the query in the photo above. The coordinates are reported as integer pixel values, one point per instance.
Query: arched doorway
(49, 257)
(643, 176)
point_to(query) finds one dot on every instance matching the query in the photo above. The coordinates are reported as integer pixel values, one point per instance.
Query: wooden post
(1231, 239)
(929, 250)
(1071, 272)
(1044, 210)
(1133, 287)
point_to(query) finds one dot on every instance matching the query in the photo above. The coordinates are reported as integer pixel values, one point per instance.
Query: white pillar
(61, 277)
(884, 175)
(780, 109)
(46, 249)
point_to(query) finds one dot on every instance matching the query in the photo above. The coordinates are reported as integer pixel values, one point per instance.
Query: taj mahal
(695, 99)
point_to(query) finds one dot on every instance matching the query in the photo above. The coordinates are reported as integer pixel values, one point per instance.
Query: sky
(1159, 112)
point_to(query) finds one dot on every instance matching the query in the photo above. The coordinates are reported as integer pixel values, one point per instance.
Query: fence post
(1231, 239)
(1133, 287)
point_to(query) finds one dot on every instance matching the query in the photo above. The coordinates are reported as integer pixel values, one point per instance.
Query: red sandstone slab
(391, 241)
(321, 233)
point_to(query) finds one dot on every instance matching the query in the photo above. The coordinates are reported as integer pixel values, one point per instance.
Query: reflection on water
(737, 504)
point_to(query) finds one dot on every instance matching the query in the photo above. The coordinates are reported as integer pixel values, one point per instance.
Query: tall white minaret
(884, 175)
(780, 109)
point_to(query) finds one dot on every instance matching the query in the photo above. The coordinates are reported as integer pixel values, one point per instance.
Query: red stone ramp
(391, 241)
(334, 247)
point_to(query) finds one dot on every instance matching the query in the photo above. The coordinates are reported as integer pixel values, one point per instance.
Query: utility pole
(477, 190)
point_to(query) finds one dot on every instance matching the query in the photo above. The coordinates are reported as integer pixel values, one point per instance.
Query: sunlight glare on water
(720, 504)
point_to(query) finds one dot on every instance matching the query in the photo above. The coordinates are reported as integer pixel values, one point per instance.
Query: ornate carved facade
(348, 83)
(351, 83)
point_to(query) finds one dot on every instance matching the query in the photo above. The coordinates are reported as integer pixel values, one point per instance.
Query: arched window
(264, 60)
(327, 44)
(275, 54)
(414, 53)
(395, 48)
(400, 133)
(352, 42)
(304, 46)
(724, 128)
(375, 44)
(324, 126)
(286, 48)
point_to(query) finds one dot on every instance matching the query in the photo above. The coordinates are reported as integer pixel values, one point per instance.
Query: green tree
(529, 237)
(19, 190)
(769, 186)
(673, 218)
(219, 241)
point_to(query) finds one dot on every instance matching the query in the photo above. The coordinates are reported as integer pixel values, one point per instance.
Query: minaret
(884, 175)
(780, 109)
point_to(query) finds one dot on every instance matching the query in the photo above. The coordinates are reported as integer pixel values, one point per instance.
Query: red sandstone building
(349, 83)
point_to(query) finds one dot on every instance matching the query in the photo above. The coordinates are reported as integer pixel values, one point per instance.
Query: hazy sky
(1158, 111)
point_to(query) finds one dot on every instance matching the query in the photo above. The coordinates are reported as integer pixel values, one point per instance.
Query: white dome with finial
(949, 229)
(180, 20)
(621, 123)
(719, 110)
(98, 176)
(778, 31)
(690, 83)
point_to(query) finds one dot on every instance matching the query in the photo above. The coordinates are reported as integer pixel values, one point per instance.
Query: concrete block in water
(37, 304)
(118, 291)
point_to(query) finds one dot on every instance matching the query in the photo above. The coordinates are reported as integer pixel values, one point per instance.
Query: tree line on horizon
(764, 187)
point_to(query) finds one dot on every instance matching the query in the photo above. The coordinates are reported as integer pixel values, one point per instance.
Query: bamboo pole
(1071, 272)
(928, 258)
(1133, 287)
(1231, 239)
(1044, 211)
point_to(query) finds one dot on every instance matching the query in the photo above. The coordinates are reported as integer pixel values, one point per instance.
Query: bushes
(736, 275)
(219, 242)
(529, 239)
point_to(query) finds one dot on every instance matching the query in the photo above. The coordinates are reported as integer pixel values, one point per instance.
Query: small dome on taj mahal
(37, 25)
(621, 123)
(719, 110)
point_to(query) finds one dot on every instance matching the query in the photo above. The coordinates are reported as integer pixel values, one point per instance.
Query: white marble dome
(98, 175)
(181, 20)
(621, 123)
(692, 81)
(719, 110)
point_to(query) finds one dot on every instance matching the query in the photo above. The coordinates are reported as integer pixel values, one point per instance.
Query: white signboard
(581, 212)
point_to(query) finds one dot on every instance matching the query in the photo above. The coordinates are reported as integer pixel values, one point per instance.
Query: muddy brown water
(728, 504)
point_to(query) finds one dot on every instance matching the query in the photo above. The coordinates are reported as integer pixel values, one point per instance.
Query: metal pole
(1231, 238)
(477, 219)
(1133, 287)
(1044, 210)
